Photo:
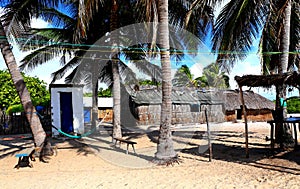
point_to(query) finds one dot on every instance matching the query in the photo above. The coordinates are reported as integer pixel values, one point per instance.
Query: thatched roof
(229, 98)
(179, 96)
(208, 97)
(154, 96)
(253, 100)
(291, 78)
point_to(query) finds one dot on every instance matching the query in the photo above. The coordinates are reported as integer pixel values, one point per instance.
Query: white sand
(99, 165)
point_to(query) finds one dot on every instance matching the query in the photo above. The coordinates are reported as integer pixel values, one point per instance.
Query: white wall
(77, 105)
(78, 115)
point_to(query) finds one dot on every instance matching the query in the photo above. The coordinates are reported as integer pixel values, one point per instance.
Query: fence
(16, 123)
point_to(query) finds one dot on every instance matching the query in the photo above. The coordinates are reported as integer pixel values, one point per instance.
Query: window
(195, 108)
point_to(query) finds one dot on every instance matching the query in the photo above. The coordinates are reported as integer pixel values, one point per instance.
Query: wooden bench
(24, 158)
(128, 142)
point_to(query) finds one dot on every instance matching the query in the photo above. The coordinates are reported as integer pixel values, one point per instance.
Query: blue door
(87, 115)
(66, 110)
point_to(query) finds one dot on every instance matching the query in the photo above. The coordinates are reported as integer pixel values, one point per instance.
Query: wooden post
(208, 136)
(295, 131)
(272, 136)
(246, 122)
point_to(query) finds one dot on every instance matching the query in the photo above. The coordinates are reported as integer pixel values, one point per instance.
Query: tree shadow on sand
(286, 161)
(227, 146)
(13, 144)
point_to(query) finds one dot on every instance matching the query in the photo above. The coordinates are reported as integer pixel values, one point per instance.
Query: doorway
(66, 112)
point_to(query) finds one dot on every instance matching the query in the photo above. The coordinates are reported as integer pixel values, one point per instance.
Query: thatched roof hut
(253, 100)
(258, 107)
(289, 78)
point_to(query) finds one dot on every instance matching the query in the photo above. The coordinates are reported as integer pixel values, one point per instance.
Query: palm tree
(183, 77)
(20, 20)
(215, 77)
(89, 33)
(115, 71)
(165, 149)
(31, 115)
(212, 77)
(281, 34)
(282, 68)
(240, 23)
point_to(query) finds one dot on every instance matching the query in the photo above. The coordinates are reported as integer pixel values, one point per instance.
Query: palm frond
(269, 42)
(105, 75)
(56, 18)
(238, 24)
(146, 11)
(86, 10)
(18, 14)
(181, 79)
(69, 78)
(149, 69)
(40, 37)
(40, 56)
(270, 38)
(59, 74)
(195, 16)
(128, 75)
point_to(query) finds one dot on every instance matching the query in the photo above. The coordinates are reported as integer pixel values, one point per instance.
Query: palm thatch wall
(143, 107)
(188, 106)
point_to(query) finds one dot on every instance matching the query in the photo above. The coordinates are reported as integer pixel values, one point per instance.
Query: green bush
(9, 97)
(293, 105)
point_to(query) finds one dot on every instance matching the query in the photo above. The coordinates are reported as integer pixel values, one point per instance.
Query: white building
(67, 108)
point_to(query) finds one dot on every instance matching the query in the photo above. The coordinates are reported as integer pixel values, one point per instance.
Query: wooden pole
(208, 136)
(246, 122)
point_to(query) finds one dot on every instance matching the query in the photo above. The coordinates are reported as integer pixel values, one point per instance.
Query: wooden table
(290, 120)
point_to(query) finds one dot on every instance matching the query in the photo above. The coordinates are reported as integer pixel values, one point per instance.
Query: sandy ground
(94, 162)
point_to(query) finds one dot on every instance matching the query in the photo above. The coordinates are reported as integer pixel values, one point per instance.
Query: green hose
(66, 134)
(78, 136)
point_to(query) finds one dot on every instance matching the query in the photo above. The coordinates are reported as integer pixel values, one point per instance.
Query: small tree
(9, 96)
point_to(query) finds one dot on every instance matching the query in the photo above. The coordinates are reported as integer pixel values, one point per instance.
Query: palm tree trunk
(116, 77)
(285, 39)
(94, 100)
(282, 68)
(165, 149)
(33, 119)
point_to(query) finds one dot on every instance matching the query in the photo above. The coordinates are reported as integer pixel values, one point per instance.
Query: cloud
(197, 70)
(39, 23)
(251, 66)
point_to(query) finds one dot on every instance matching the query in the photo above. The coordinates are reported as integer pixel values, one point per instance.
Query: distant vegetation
(101, 93)
(149, 82)
(293, 105)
